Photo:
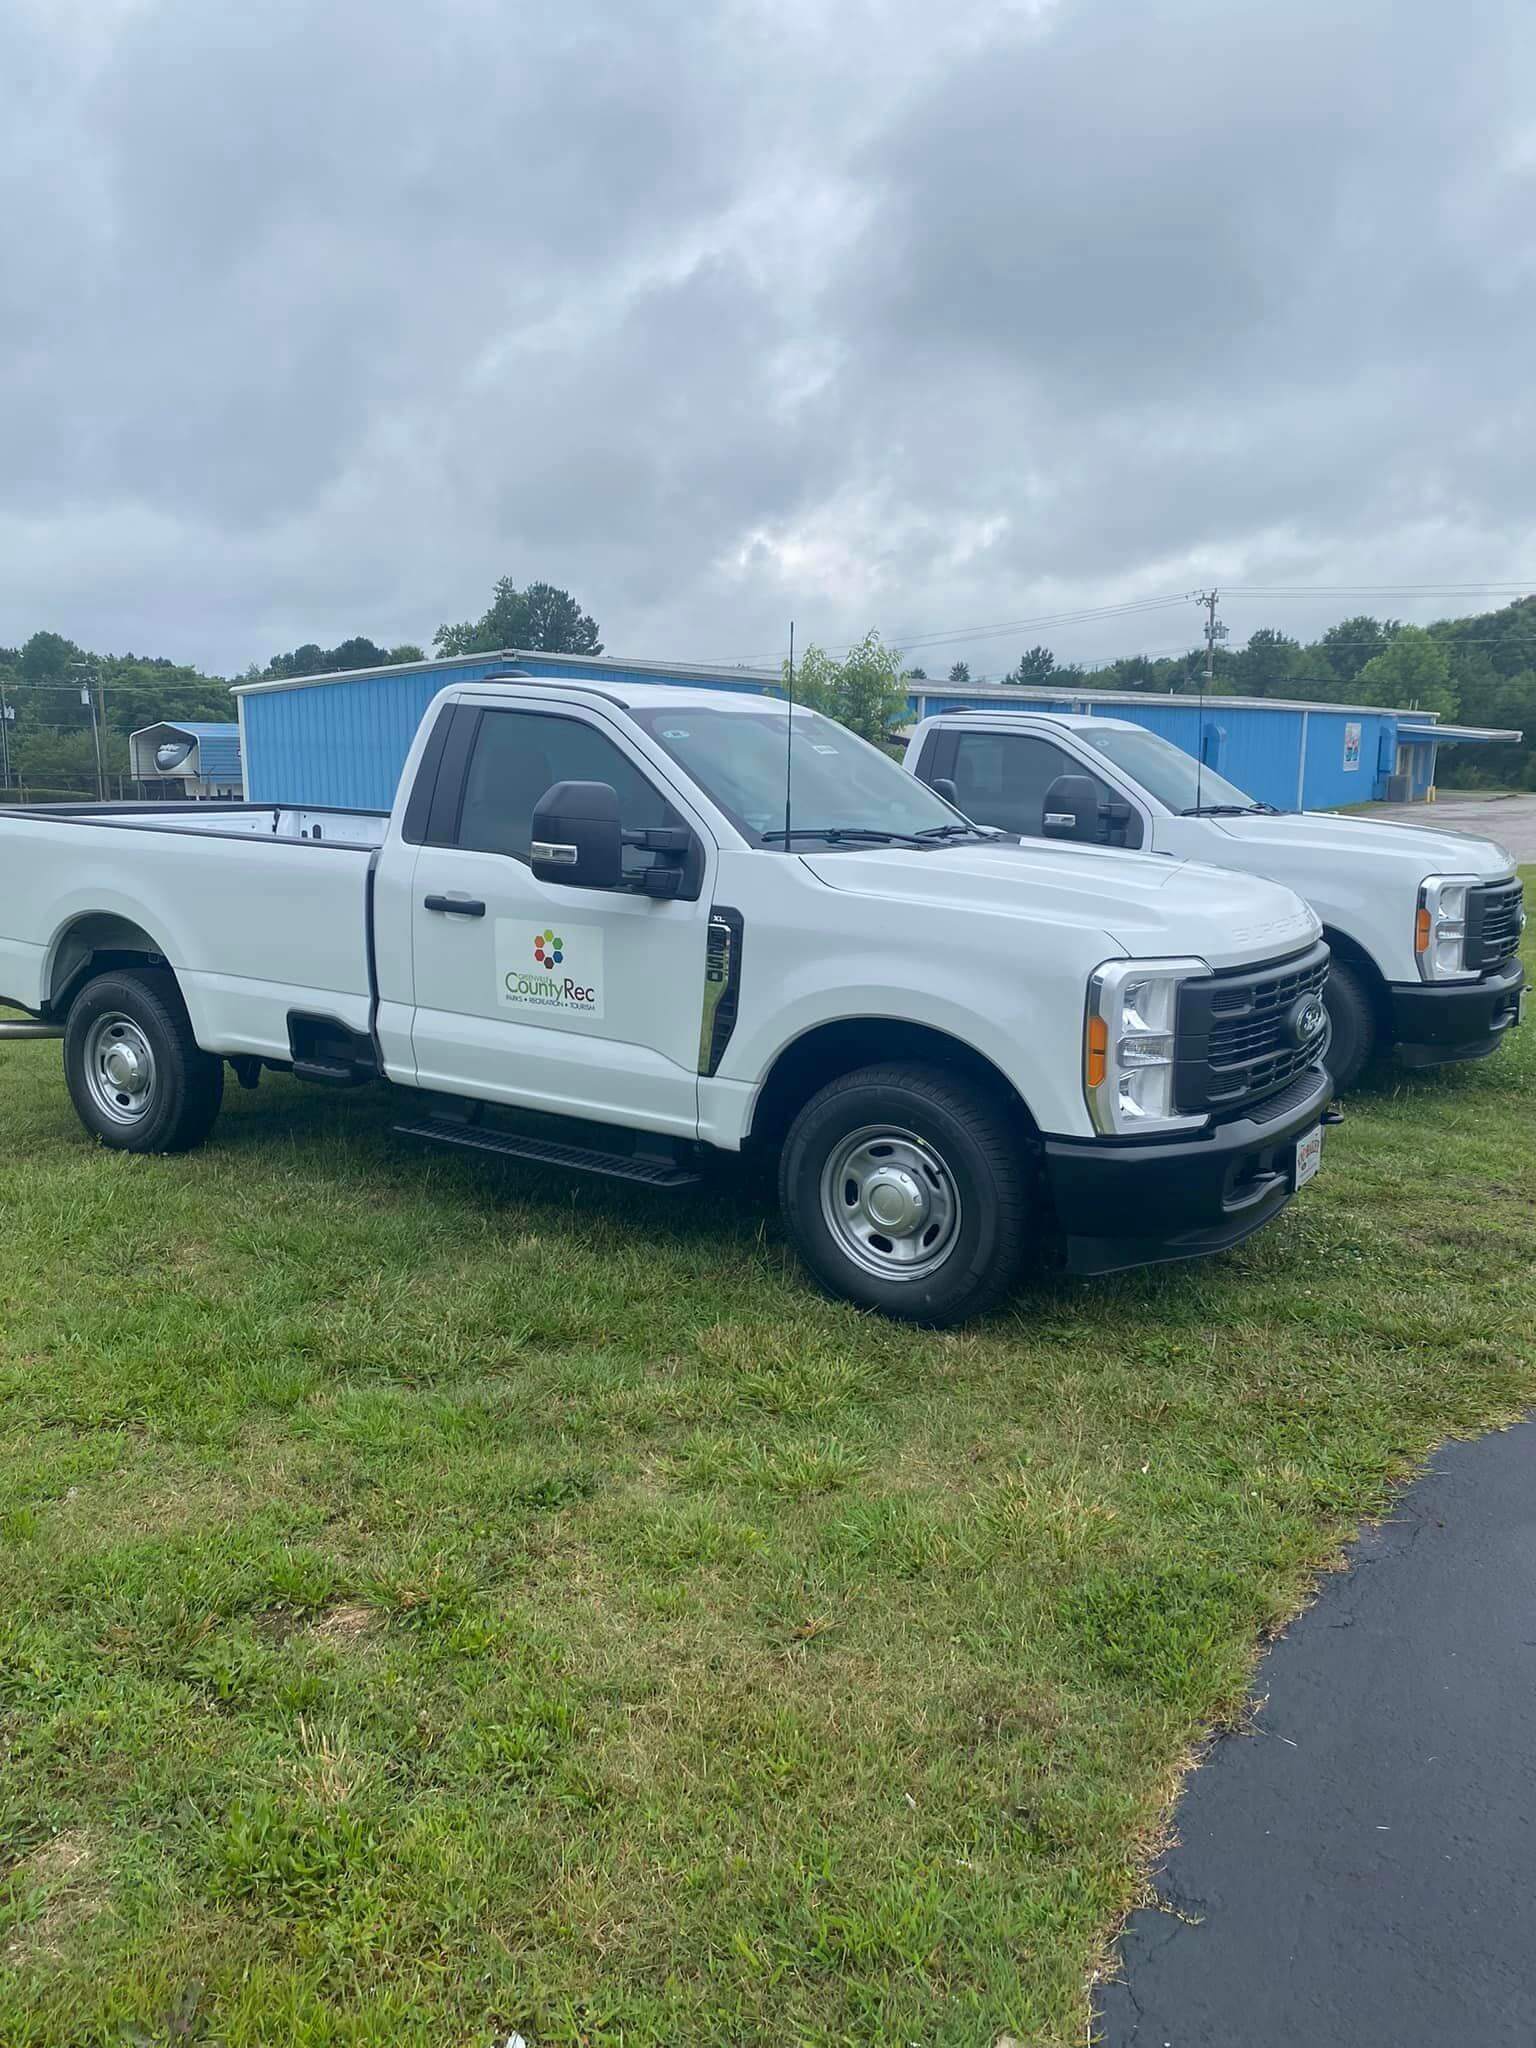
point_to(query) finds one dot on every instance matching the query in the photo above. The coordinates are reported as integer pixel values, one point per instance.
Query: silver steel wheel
(890, 1202)
(120, 1068)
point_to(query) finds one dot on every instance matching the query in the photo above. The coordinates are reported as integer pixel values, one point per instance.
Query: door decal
(556, 969)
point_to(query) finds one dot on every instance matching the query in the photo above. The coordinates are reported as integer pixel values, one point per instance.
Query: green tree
(1268, 665)
(866, 690)
(48, 763)
(1037, 665)
(542, 616)
(47, 657)
(1412, 671)
(359, 652)
(1130, 672)
(1346, 648)
(961, 672)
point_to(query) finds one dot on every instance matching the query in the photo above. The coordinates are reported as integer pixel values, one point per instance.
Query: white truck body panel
(1360, 876)
(253, 925)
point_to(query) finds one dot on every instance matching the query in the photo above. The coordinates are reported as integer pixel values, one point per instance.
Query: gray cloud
(314, 318)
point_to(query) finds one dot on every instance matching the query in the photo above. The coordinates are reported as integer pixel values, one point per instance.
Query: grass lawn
(438, 1600)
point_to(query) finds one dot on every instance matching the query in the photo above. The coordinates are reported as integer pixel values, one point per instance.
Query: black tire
(137, 1077)
(1352, 1017)
(953, 1147)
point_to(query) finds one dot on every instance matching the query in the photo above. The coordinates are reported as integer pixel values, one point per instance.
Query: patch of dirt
(65, 1871)
(344, 1623)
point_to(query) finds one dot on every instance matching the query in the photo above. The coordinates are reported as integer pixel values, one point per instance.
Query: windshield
(1167, 772)
(843, 788)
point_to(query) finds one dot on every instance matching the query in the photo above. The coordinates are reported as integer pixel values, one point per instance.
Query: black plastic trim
(418, 809)
(452, 777)
(651, 1165)
(722, 985)
(1434, 1024)
(1204, 1193)
(1203, 1083)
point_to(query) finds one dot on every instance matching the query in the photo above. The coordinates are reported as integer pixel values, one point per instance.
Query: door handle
(455, 906)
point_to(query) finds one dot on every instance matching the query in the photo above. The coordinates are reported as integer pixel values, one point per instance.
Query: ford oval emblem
(1307, 1020)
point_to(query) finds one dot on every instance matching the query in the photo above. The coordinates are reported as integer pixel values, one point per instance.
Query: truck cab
(1424, 926)
(619, 930)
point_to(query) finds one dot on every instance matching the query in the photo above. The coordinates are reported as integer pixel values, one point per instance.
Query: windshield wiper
(1224, 810)
(843, 835)
(932, 832)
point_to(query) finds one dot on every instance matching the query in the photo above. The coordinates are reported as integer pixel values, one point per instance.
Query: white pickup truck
(586, 904)
(1424, 926)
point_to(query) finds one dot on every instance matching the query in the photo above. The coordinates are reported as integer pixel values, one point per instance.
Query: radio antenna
(789, 736)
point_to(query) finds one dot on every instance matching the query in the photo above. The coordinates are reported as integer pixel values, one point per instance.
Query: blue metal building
(342, 739)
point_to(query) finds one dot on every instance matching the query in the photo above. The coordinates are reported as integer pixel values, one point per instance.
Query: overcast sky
(316, 316)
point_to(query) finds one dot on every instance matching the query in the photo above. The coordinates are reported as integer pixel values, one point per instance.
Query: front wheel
(907, 1191)
(136, 1075)
(1352, 1021)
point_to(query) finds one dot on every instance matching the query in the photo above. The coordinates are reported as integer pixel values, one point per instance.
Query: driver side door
(585, 1002)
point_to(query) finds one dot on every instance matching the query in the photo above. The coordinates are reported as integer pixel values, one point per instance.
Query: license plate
(1309, 1156)
(1520, 1004)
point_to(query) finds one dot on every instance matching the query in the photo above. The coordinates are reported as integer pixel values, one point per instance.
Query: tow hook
(1334, 1113)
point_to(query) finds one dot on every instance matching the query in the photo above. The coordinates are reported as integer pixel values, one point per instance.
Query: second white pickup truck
(590, 904)
(1424, 926)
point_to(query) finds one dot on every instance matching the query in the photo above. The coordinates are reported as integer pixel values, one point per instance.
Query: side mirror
(1074, 809)
(577, 839)
(943, 785)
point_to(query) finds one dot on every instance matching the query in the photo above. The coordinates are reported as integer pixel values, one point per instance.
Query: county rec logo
(558, 973)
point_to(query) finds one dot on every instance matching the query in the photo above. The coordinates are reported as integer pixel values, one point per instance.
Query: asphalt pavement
(1509, 819)
(1359, 1871)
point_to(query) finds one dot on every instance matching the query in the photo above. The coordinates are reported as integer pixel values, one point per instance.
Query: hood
(1147, 904)
(1428, 850)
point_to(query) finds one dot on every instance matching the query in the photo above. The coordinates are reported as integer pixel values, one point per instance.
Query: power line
(1372, 589)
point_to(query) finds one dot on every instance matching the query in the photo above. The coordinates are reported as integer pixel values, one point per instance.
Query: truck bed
(262, 910)
(267, 821)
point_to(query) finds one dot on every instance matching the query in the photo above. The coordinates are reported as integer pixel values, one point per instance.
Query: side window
(517, 755)
(1001, 778)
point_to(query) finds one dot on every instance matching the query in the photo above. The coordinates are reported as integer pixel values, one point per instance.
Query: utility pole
(1208, 599)
(88, 699)
(6, 715)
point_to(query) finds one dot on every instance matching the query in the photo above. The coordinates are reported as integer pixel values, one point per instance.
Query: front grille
(1237, 1041)
(1495, 916)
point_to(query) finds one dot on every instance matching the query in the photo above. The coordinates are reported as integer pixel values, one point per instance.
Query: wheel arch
(1350, 953)
(89, 945)
(839, 1046)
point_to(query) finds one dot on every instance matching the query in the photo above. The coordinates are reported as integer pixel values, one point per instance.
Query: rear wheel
(907, 1191)
(136, 1075)
(1352, 1018)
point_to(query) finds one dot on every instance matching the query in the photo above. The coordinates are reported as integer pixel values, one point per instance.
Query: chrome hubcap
(119, 1069)
(890, 1202)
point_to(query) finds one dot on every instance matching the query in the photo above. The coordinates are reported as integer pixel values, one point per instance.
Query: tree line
(1479, 669)
(50, 686)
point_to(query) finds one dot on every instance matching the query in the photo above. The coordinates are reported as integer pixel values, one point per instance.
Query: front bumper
(1133, 1202)
(1433, 1023)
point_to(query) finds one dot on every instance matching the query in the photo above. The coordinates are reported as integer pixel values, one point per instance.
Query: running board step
(331, 1073)
(650, 1172)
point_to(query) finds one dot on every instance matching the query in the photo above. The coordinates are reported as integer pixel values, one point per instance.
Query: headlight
(1128, 1046)
(1440, 928)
